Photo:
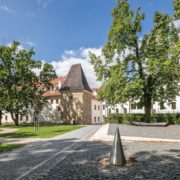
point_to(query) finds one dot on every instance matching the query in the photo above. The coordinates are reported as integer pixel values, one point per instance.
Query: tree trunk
(147, 106)
(0, 117)
(147, 113)
(15, 118)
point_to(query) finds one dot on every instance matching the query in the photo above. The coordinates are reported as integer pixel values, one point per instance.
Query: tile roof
(56, 80)
(50, 93)
(55, 92)
(75, 80)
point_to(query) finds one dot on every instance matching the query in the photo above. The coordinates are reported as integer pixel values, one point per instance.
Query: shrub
(115, 118)
(128, 118)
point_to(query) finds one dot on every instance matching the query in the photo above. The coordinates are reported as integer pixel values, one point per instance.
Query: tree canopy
(21, 87)
(143, 69)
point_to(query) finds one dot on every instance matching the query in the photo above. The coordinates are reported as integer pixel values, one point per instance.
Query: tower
(75, 97)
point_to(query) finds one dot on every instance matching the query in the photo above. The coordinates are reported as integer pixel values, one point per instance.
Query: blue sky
(60, 30)
(53, 26)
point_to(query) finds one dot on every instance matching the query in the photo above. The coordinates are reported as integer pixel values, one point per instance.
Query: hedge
(127, 118)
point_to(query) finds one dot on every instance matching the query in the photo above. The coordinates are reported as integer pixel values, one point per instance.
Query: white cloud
(62, 66)
(38, 70)
(177, 23)
(44, 3)
(6, 9)
(84, 52)
(70, 53)
(29, 43)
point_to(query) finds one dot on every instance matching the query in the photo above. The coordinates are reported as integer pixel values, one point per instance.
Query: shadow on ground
(82, 164)
(154, 161)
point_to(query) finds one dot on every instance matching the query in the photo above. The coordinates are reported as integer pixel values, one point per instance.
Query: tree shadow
(18, 135)
(82, 164)
(75, 107)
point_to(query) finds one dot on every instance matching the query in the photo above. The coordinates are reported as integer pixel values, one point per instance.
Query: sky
(62, 32)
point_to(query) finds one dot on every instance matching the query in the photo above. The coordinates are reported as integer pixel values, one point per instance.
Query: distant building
(70, 100)
(96, 111)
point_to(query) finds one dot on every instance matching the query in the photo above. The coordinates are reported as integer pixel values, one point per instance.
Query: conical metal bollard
(117, 157)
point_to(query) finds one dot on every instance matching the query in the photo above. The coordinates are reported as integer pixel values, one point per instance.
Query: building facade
(72, 101)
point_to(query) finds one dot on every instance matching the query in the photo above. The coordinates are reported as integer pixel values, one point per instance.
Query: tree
(22, 86)
(38, 101)
(176, 4)
(135, 70)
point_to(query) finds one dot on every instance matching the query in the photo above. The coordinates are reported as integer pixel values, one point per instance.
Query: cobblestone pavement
(169, 132)
(154, 161)
(17, 162)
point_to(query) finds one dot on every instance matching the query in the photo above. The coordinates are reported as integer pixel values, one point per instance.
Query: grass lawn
(4, 147)
(45, 131)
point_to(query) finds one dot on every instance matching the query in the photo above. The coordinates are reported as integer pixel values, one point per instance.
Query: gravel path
(15, 163)
(154, 161)
(169, 132)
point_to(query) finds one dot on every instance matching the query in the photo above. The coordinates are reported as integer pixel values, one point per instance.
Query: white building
(96, 110)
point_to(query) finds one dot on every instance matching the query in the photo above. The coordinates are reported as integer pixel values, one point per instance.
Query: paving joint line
(27, 174)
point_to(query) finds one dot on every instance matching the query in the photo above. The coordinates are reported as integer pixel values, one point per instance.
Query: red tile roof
(50, 93)
(59, 79)
(56, 92)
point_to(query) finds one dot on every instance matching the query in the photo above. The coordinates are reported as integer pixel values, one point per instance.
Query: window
(104, 107)
(117, 110)
(6, 117)
(98, 107)
(133, 106)
(58, 108)
(173, 105)
(57, 101)
(94, 119)
(51, 101)
(98, 119)
(94, 107)
(21, 118)
(109, 111)
(26, 118)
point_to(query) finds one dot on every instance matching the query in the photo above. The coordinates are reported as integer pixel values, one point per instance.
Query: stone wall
(87, 107)
(75, 107)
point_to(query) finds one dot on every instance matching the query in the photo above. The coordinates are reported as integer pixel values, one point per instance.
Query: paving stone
(154, 161)
(169, 132)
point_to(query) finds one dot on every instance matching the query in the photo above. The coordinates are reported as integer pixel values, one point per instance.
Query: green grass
(45, 131)
(4, 147)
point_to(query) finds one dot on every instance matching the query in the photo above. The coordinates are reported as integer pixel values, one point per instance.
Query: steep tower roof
(75, 80)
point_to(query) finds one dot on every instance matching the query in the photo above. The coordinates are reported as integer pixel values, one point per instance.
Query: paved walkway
(154, 161)
(107, 131)
(169, 132)
(18, 162)
(8, 130)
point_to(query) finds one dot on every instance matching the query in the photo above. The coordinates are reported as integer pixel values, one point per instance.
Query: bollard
(117, 157)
